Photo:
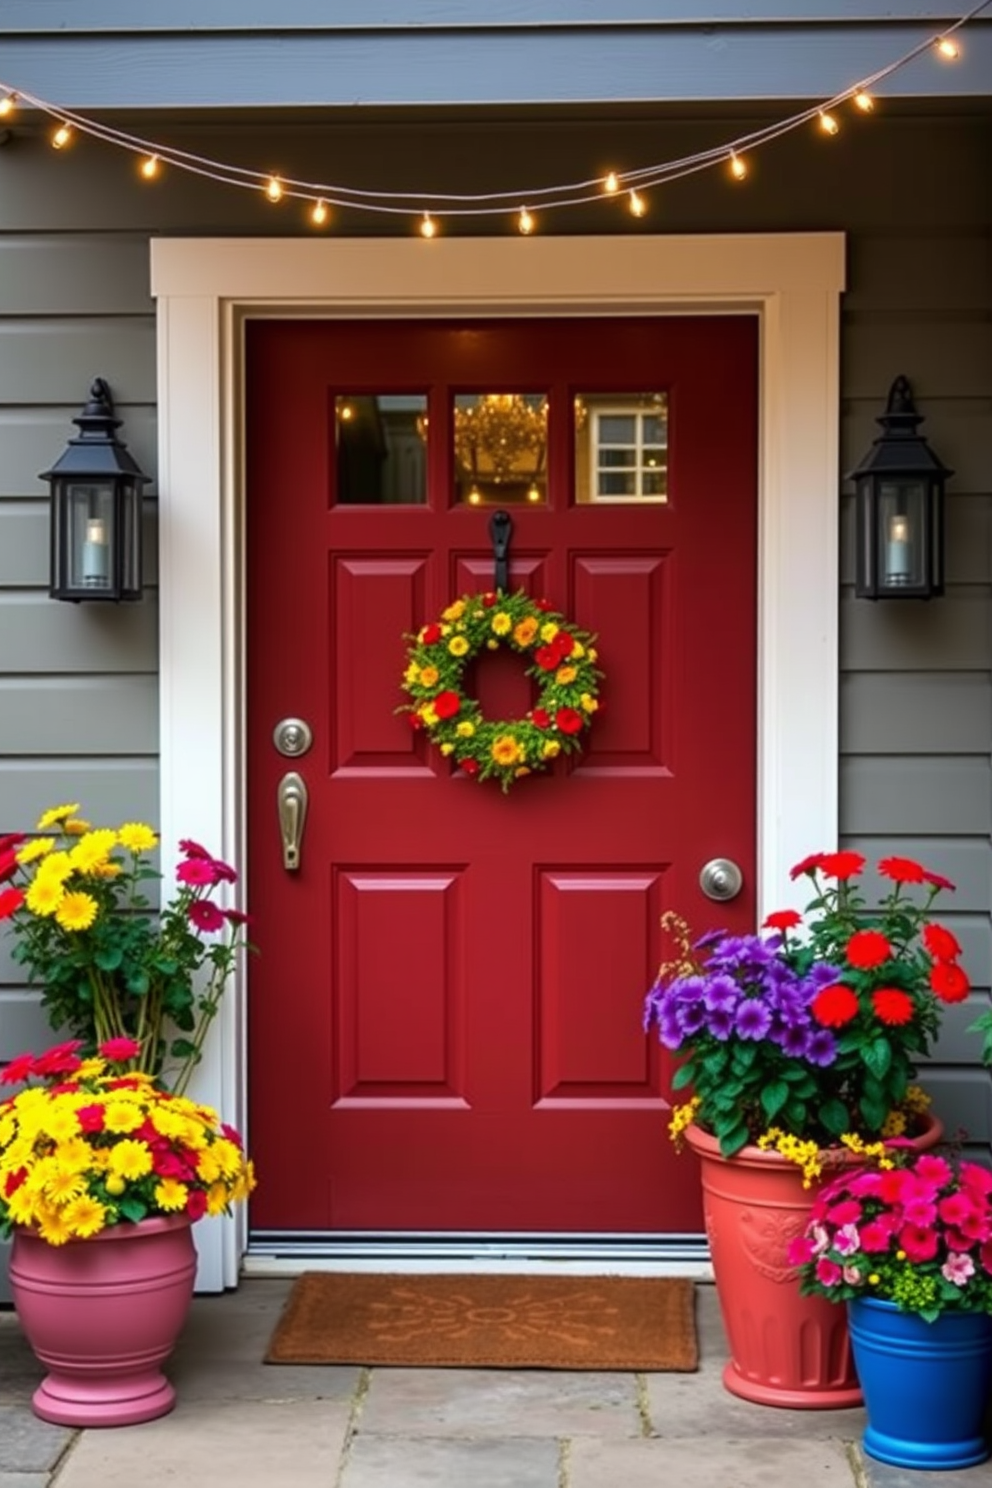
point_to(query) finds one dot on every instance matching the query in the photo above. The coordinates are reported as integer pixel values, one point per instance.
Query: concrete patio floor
(242, 1422)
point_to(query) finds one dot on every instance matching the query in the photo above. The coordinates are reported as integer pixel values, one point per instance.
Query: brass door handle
(293, 799)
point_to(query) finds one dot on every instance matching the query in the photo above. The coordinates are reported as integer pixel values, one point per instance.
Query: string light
(149, 167)
(525, 222)
(320, 214)
(638, 206)
(325, 195)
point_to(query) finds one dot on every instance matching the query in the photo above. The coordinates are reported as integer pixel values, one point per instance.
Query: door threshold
(548, 1255)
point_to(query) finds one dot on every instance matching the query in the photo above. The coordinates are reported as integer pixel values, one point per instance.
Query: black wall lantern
(900, 508)
(96, 509)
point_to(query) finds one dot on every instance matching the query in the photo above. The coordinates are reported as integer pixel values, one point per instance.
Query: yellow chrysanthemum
(61, 1123)
(85, 1216)
(64, 1185)
(427, 713)
(588, 702)
(52, 1224)
(137, 837)
(525, 631)
(76, 827)
(122, 1116)
(548, 631)
(115, 1185)
(34, 849)
(454, 611)
(76, 912)
(94, 849)
(505, 750)
(244, 1185)
(412, 673)
(458, 645)
(447, 748)
(75, 1152)
(521, 770)
(170, 1194)
(106, 870)
(21, 1206)
(130, 1159)
(565, 674)
(208, 1168)
(56, 868)
(228, 1156)
(429, 676)
(55, 815)
(465, 729)
(8, 1127)
(44, 896)
(501, 623)
(217, 1198)
(578, 650)
(550, 748)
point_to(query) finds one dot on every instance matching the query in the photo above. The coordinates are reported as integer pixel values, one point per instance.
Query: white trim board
(206, 286)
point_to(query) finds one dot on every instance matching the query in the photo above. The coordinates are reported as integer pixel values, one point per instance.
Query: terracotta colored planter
(102, 1315)
(785, 1349)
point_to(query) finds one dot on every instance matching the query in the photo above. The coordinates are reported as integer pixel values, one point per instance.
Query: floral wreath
(562, 662)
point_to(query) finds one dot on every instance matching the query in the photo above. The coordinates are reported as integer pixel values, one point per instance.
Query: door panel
(445, 1017)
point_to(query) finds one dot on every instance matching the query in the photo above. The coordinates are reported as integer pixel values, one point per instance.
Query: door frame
(205, 290)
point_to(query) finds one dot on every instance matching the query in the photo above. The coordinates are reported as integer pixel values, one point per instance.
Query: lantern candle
(96, 552)
(897, 561)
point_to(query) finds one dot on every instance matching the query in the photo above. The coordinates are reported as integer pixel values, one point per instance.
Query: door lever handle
(292, 798)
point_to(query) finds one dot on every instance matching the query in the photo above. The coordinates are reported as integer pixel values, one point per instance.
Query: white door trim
(205, 288)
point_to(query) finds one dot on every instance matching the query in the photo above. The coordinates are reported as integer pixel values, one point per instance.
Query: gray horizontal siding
(77, 274)
(39, 635)
(109, 790)
(967, 529)
(881, 714)
(919, 795)
(951, 634)
(110, 715)
(24, 553)
(54, 359)
(33, 438)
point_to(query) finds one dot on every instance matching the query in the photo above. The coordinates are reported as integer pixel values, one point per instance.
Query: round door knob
(721, 879)
(292, 737)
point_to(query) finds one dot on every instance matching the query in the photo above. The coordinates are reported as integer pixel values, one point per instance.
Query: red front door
(445, 1014)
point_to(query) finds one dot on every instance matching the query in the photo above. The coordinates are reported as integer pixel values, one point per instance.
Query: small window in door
(621, 448)
(381, 449)
(500, 448)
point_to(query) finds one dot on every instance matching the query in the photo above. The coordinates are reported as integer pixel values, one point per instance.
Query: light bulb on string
(611, 184)
(319, 214)
(62, 136)
(149, 167)
(864, 101)
(428, 227)
(7, 105)
(738, 167)
(828, 123)
(637, 204)
(948, 49)
(525, 222)
(273, 189)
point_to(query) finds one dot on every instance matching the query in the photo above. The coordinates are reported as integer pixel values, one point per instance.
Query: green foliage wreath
(562, 661)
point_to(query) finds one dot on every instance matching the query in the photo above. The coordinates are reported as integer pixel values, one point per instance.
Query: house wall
(78, 701)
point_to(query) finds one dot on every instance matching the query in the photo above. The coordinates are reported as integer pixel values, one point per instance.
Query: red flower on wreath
(431, 635)
(568, 720)
(446, 704)
(541, 718)
(470, 766)
(547, 658)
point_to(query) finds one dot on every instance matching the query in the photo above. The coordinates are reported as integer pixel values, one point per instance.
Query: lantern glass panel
(91, 535)
(902, 534)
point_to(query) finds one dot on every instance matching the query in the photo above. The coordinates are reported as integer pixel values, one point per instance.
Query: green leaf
(774, 1097)
(108, 958)
(682, 1076)
(833, 1115)
(874, 1112)
(182, 1049)
(878, 1057)
(133, 1210)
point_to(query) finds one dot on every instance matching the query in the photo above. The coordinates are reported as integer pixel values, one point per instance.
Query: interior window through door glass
(500, 448)
(621, 447)
(381, 449)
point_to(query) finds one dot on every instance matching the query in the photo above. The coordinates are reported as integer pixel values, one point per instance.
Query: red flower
(544, 605)
(197, 871)
(565, 643)
(236, 917)
(783, 919)
(10, 840)
(225, 873)
(949, 982)
(430, 635)
(540, 718)
(13, 1181)
(205, 915)
(196, 1204)
(91, 1118)
(902, 870)
(192, 849)
(835, 1006)
(117, 1050)
(10, 900)
(8, 866)
(892, 1006)
(63, 1059)
(940, 942)
(568, 720)
(415, 720)
(547, 658)
(939, 881)
(446, 704)
(18, 1069)
(489, 600)
(868, 948)
(470, 766)
(842, 864)
(808, 865)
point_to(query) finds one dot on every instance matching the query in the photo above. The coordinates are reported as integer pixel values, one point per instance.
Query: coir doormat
(492, 1322)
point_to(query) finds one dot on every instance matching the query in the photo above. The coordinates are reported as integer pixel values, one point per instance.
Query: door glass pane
(621, 447)
(381, 441)
(500, 448)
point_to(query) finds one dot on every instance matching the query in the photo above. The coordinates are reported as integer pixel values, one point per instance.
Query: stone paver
(710, 1462)
(28, 1445)
(881, 1475)
(203, 1444)
(391, 1462)
(23, 1480)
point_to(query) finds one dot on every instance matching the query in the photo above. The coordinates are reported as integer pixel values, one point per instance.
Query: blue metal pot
(926, 1385)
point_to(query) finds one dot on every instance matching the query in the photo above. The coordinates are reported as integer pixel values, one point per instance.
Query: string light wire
(431, 204)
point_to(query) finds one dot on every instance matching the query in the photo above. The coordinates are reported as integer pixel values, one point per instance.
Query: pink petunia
(875, 1238)
(205, 915)
(919, 1211)
(844, 1213)
(919, 1244)
(852, 1275)
(847, 1240)
(800, 1250)
(828, 1273)
(976, 1178)
(934, 1169)
(956, 1208)
(958, 1269)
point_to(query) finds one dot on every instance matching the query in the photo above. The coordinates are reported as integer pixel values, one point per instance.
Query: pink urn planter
(785, 1349)
(103, 1315)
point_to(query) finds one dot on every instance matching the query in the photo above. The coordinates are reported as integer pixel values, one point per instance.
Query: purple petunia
(752, 1019)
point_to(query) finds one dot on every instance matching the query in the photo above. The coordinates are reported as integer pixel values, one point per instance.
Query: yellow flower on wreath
(429, 676)
(465, 729)
(455, 610)
(458, 645)
(550, 748)
(505, 750)
(525, 631)
(548, 631)
(588, 703)
(565, 674)
(501, 623)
